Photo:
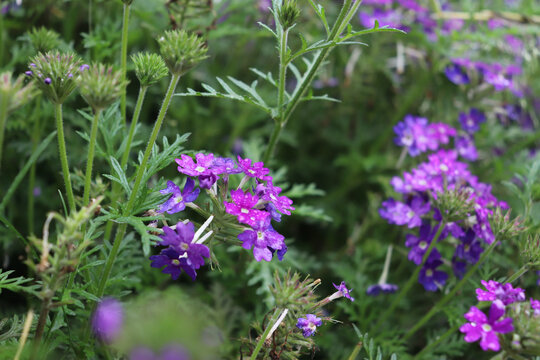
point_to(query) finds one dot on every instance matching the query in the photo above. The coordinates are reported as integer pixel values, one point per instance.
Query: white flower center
(443, 167)
(175, 262)
(199, 169)
(429, 273)
(260, 235)
(244, 211)
(487, 327)
(178, 199)
(422, 245)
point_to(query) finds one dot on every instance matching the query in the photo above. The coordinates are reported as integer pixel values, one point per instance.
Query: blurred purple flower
(497, 291)
(456, 74)
(470, 122)
(308, 325)
(108, 319)
(429, 276)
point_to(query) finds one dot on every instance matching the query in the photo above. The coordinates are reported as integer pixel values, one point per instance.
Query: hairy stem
(136, 114)
(262, 339)
(412, 279)
(63, 156)
(3, 119)
(42, 321)
(90, 159)
(36, 135)
(438, 306)
(138, 179)
(123, 58)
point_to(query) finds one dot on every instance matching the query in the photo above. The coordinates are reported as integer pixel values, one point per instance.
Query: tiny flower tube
(382, 286)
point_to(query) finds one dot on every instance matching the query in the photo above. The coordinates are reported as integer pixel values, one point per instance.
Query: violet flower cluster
(253, 205)
(423, 185)
(486, 328)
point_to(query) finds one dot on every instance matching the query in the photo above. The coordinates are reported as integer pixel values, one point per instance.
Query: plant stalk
(3, 119)
(412, 279)
(262, 339)
(90, 159)
(136, 114)
(452, 293)
(123, 59)
(138, 179)
(63, 156)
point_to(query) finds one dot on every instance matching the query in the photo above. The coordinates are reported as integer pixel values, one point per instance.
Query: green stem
(90, 159)
(282, 71)
(136, 114)
(36, 135)
(123, 59)
(63, 156)
(262, 339)
(345, 15)
(412, 279)
(439, 340)
(3, 119)
(518, 273)
(42, 321)
(452, 293)
(138, 179)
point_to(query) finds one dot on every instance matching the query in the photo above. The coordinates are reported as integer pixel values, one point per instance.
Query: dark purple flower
(466, 148)
(419, 244)
(458, 267)
(243, 207)
(270, 193)
(84, 67)
(343, 291)
(483, 328)
(497, 291)
(108, 319)
(182, 253)
(177, 202)
(263, 238)
(376, 289)
(255, 170)
(429, 276)
(47, 81)
(36, 191)
(224, 166)
(28, 73)
(469, 247)
(499, 80)
(470, 122)
(405, 214)
(309, 324)
(535, 305)
(456, 74)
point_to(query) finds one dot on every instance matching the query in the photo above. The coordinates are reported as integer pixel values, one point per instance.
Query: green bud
(455, 204)
(288, 14)
(503, 227)
(100, 85)
(43, 39)
(14, 93)
(524, 341)
(149, 68)
(181, 50)
(55, 73)
(530, 250)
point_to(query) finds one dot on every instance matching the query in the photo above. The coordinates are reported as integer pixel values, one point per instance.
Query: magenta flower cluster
(485, 328)
(254, 204)
(443, 171)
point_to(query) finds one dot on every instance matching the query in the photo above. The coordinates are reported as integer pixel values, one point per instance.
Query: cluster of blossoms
(402, 14)
(309, 324)
(487, 327)
(499, 76)
(424, 185)
(253, 205)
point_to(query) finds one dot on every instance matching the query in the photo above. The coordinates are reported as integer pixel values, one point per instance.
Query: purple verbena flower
(419, 244)
(182, 254)
(404, 214)
(535, 305)
(497, 291)
(376, 289)
(470, 122)
(263, 238)
(187, 166)
(342, 291)
(456, 74)
(108, 319)
(308, 325)
(243, 207)
(484, 328)
(255, 170)
(429, 276)
(270, 193)
(466, 148)
(177, 202)
(469, 247)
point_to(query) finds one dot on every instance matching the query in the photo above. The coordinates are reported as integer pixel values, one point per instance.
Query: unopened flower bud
(100, 85)
(15, 93)
(181, 50)
(43, 39)
(288, 13)
(149, 68)
(455, 204)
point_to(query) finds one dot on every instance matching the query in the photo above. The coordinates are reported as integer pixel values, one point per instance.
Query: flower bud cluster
(15, 93)
(43, 39)
(100, 85)
(55, 73)
(181, 50)
(149, 68)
